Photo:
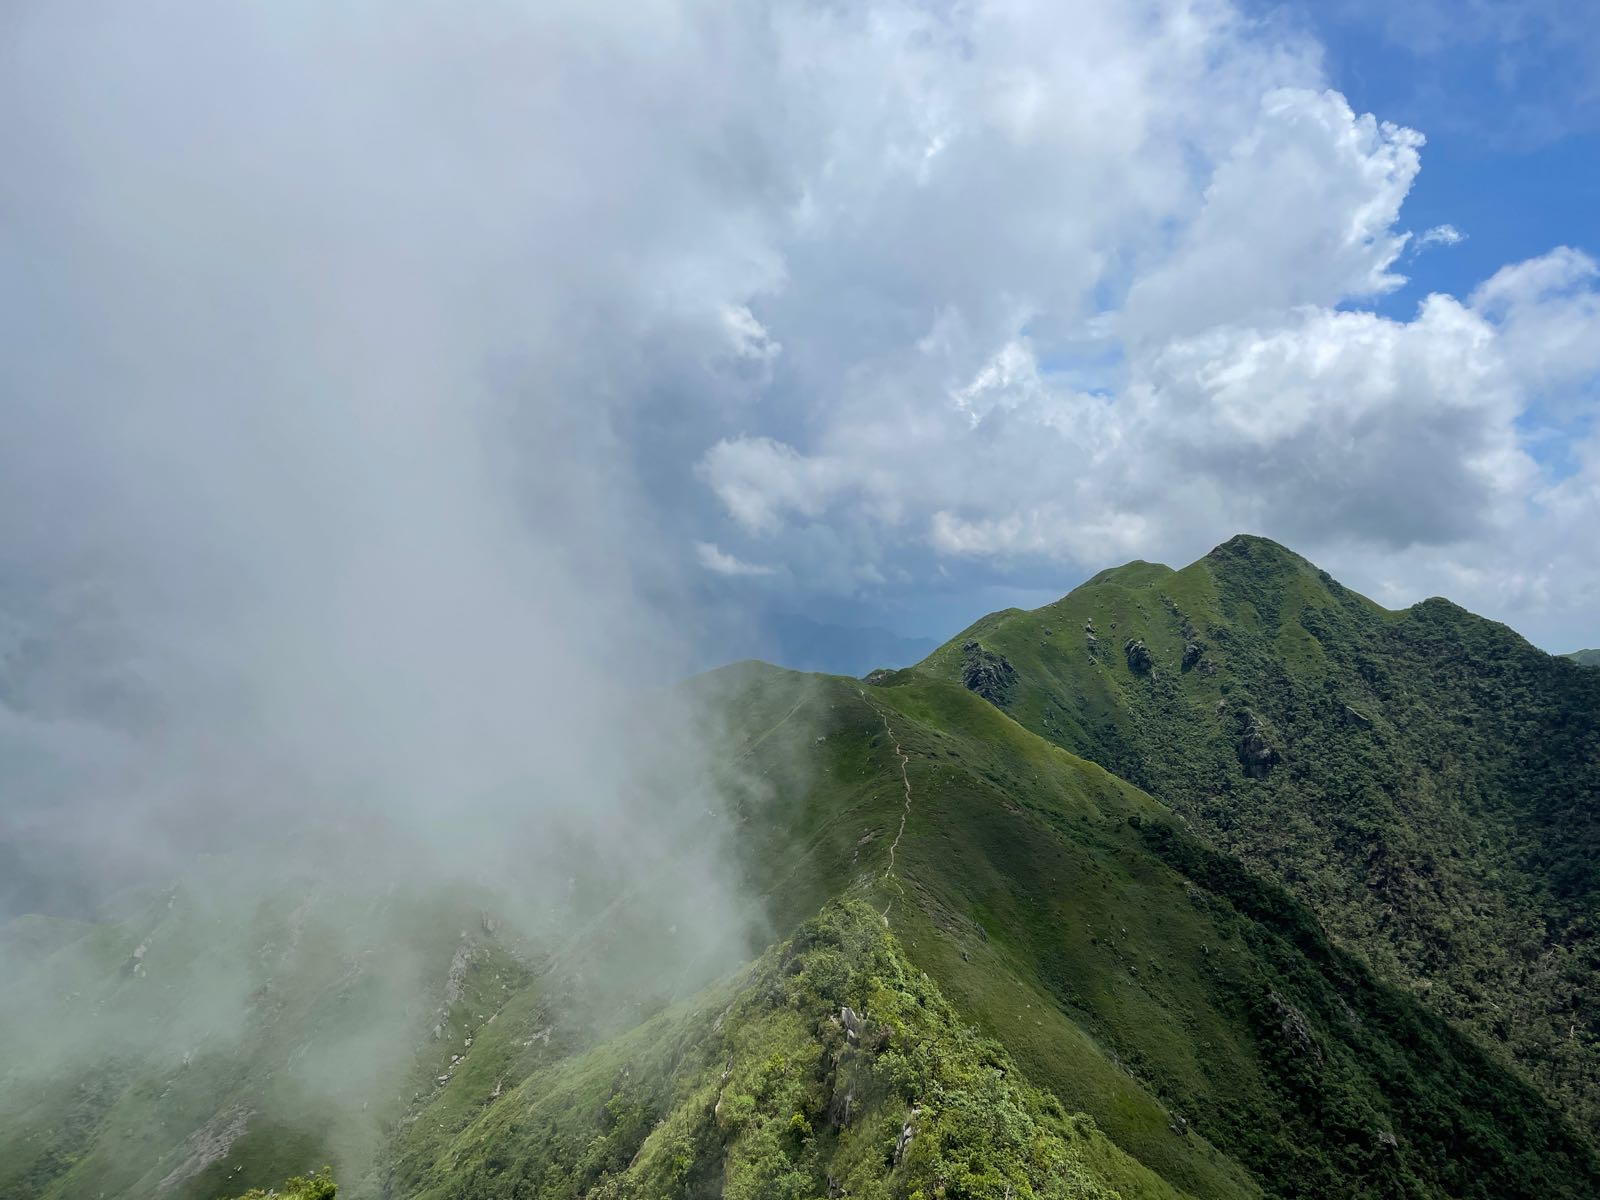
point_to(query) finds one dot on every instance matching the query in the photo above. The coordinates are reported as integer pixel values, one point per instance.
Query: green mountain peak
(1395, 770)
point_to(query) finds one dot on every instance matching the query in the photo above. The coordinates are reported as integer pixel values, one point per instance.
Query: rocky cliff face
(986, 673)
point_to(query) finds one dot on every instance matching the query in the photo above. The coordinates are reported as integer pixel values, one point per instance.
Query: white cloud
(714, 559)
(1562, 273)
(1064, 300)
(1440, 235)
(747, 336)
(761, 481)
(1300, 210)
(1339, 425)
(1547, 310)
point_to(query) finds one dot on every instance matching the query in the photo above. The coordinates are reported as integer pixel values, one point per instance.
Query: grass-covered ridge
(1425, 780)
(1076, 920)
(832, 1067)
(1076, 987)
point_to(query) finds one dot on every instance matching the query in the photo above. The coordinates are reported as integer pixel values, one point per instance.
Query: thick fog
(333, 608)
(314, 501)
(378, 383)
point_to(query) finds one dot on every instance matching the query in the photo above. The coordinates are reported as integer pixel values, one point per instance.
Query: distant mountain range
(1586, 658)
(1209, 883)
(803, 644)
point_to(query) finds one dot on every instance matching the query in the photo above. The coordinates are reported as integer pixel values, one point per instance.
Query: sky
(1351, 306)
(332, 333)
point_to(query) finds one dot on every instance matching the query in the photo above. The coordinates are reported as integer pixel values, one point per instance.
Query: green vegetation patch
(832, 1067)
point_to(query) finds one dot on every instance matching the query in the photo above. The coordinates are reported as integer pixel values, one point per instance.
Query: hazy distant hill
(1586, 658)
(802, 644)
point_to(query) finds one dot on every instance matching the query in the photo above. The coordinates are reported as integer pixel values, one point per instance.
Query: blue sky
(1512, 122)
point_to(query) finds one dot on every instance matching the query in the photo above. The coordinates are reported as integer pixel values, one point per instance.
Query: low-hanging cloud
(334, 346)
(377, 382)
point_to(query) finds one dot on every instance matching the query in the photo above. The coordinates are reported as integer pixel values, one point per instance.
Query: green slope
(1081, 996)
(1427, 781)
(831, 1067)
(1198, 1015)
(1586, 658)
(198, 1043)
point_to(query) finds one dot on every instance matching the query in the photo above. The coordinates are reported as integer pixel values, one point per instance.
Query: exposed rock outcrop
(1294, 1028)
(207, 1145)
(1256, 753)
(1358, 719)
(987, 673)
(1139, 660)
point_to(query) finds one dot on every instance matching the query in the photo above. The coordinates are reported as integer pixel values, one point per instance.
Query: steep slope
(1425, 780)
(831, 1067)
(1197, 1014)
(1083, 954)
(194, 1045)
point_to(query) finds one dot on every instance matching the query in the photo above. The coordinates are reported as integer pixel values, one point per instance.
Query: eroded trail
(905, 778)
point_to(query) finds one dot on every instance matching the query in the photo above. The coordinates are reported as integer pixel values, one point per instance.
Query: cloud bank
(368, 374)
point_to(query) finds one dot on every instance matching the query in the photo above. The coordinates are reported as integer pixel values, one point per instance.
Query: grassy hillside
(1425, 780)
(831, 1067)
(1197, 1014)
(1054, 988)
(195, 1046)
(1586, 658)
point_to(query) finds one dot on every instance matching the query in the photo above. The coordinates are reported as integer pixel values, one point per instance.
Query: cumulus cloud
(1547, 310)
(1301, 210)
(1135, 351)
(476, 320)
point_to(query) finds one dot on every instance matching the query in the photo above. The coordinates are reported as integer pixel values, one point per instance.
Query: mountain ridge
(1331, 742)
(1221, 1031)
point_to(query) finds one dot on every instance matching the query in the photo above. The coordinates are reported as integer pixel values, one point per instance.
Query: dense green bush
(302, 1187)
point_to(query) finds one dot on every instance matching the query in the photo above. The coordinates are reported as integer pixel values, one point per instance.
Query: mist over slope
(1215, 1040)
(383, 389)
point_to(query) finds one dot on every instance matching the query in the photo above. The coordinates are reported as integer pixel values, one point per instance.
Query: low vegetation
(302, 1187)
(988, 967)
(1425, 781)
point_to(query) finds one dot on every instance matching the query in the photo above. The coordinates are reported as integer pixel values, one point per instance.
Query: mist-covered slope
(1196, 1014)
(210, 1036)
(1425, 780)
(1586, 658)
(1060, 987)
(832, 1066)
